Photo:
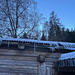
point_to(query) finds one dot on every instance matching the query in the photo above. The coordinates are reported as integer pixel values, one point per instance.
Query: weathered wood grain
(26, 63)
(21, 62)
(20, 58)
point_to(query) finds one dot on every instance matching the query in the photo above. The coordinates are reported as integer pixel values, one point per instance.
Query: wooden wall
(19, 62)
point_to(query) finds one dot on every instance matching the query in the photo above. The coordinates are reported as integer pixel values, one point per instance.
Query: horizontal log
(11, 73)
(19, 67)
(15, 62)
(51, 59)
(2, 73)
(20, 58)
(14, 70)
(27, 53)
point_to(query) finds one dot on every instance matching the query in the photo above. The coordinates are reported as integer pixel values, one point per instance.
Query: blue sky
(65, 10)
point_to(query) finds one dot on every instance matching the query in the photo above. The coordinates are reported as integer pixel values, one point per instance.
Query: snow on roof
(27, 40)
(67, 56)
(66, 45)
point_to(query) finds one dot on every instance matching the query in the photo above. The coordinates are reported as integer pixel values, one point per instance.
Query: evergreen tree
(43, 37)
(67, 35)
(25, 36)
(55, 30)
(58, 33)
(63, 35)
(51, 32)
(71, 36)
(45, 29)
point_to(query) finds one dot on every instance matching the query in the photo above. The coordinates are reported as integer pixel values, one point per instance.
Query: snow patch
(67, 56)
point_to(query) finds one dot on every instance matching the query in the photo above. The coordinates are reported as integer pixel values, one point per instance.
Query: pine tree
(25, 36)
(43, 37)
(51, 32)
(55, 29)
(63, 35)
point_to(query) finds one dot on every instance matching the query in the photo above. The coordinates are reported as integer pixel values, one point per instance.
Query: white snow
(67, 56)
(28, 40)
(54, 44)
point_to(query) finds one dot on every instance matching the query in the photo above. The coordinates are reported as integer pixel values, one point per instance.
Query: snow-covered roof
(65, 45)
(67, 56)
(27, 40)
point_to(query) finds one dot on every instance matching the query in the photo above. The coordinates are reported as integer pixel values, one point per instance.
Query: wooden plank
(2, 73)
(48, 70)
(17, 53)
(23, 52)
(51, 59)
(49, 64)
(14, 62)
(23, 58)
(18, 67)
(8, 73)
(42, 69)
(15, 70)
(53, 55)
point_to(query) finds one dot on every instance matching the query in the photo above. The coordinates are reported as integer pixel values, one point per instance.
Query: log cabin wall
(19, 62)
(28, 57)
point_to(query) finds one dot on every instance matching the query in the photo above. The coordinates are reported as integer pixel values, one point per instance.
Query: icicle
(8, 44)
(34, 48)
(0, 42)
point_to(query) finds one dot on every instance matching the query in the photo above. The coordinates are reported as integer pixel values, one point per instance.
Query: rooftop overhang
(51, 45)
